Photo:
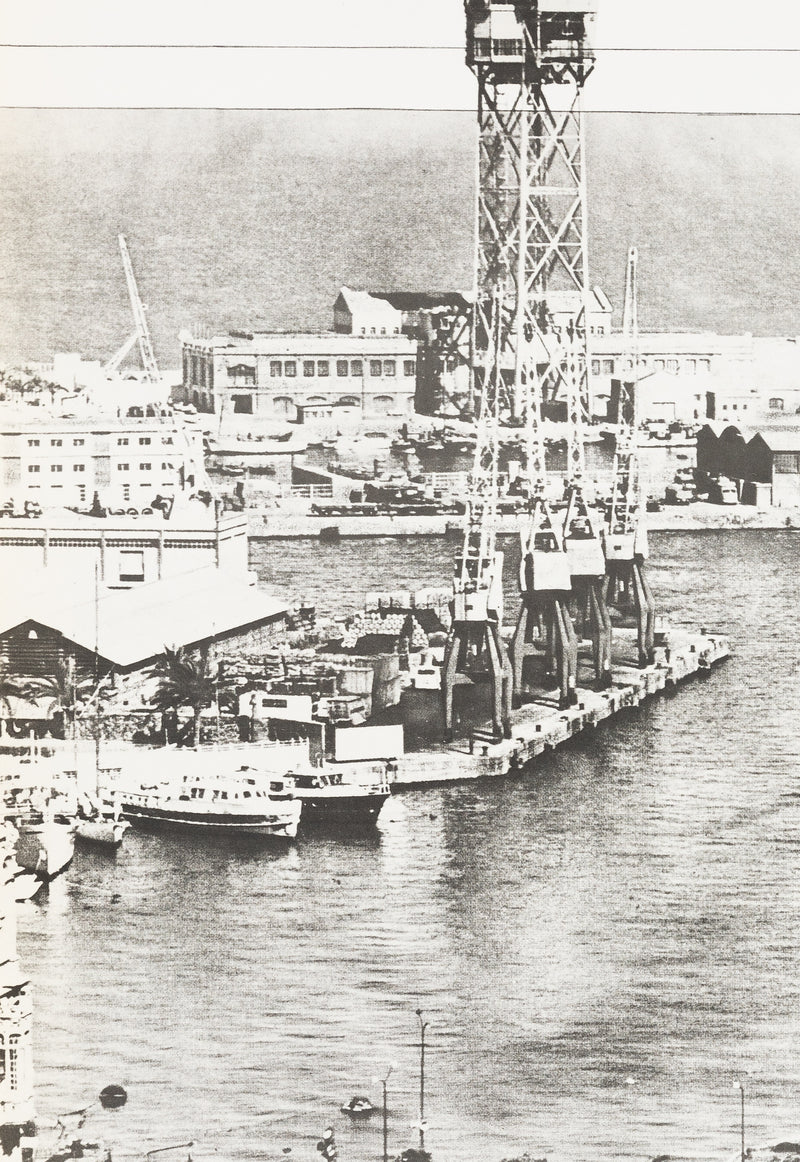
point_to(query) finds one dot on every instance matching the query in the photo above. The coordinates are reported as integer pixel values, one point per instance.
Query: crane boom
(151, 372)
(626, 532)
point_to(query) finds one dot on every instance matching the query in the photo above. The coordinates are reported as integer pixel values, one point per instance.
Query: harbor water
(602, 947)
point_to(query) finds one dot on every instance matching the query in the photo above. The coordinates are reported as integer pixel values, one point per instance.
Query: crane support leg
(566, 654)
(645, 614)
(469, 647)
(601, 631)
(545, 628)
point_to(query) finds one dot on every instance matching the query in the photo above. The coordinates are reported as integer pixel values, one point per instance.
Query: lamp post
(423, 1025)
(740, 1087)
(383, 1081)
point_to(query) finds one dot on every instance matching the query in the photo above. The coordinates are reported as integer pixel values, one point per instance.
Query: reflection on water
(601, 947)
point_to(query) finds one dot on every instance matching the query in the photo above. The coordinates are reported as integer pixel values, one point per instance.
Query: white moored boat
(227, 804)
(45, 845)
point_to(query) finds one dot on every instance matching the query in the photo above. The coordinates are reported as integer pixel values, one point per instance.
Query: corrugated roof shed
(132, 626)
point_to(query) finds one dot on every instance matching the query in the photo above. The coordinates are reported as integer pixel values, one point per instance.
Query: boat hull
(101, 832)
(169, 818)
(45, 849)
(349, 810)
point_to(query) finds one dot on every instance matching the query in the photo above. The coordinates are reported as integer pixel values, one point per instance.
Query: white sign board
(368, 742)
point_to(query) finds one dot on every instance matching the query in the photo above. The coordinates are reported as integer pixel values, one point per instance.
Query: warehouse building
(766, 459)
(366, 364)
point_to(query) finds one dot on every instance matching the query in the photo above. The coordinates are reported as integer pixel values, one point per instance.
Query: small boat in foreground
(45, 845)
(230, 804)
(103, 830)
(99, 822)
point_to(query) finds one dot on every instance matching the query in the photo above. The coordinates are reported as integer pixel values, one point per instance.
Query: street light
(740, 1086)
(423, 1025)
(383, 1081)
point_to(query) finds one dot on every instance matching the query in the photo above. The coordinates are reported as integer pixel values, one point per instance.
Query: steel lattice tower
(626, 528)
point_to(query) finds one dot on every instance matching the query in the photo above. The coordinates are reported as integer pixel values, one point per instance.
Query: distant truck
(722, 491)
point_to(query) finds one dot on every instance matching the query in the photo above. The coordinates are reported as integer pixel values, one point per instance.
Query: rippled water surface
(602, 947)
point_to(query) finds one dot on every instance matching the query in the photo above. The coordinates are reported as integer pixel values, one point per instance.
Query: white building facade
(272, 376)
(127, 462)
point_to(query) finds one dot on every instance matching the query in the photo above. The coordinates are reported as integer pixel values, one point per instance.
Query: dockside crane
(141, 334)
(625, 527)
(475, 650)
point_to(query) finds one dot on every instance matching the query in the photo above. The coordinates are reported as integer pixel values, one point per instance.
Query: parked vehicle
(722, 491)
(679, 494)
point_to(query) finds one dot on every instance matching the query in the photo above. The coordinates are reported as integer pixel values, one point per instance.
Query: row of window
(687, 366)
(82, 467)
(9, 1060)
(322, 368)
(79, 443)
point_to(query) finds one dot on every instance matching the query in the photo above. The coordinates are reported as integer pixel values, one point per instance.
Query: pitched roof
(134, 625)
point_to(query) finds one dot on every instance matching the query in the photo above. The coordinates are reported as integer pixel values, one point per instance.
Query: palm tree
(185, 679)
(11, 687)
(68, 691)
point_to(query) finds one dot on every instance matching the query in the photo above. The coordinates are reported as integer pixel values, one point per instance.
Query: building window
(240, 373)
(33, 443)
(78, 467)
(776, 404)
(409, 368)
(81, 493)
(672, 366)
(375, 367)
(659, 364)
(507, 47)
(595, 367)
(165, 466)
(383, 330)
(144, 439)
(308, 368)
(342, 368)
(131, 565)
(13, 1061)
(389, 367)
(242, 405)
(276, 368)
(167, 440)
(122, 442)
(357, 367)
(126, 492)
(145, 467)
(33, 467)
(704, 364)
(323, 367)
(786, 463)
(123, 467)
(691, 366)
(608, 366)
(290, 369)
(55, 443)
(55, 467)
(384, 403)
(283, 405)
(78, 443)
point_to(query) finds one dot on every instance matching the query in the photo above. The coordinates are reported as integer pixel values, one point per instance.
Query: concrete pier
(539, 726)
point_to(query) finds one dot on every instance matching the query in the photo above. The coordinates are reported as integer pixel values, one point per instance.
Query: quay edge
(538, 727)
